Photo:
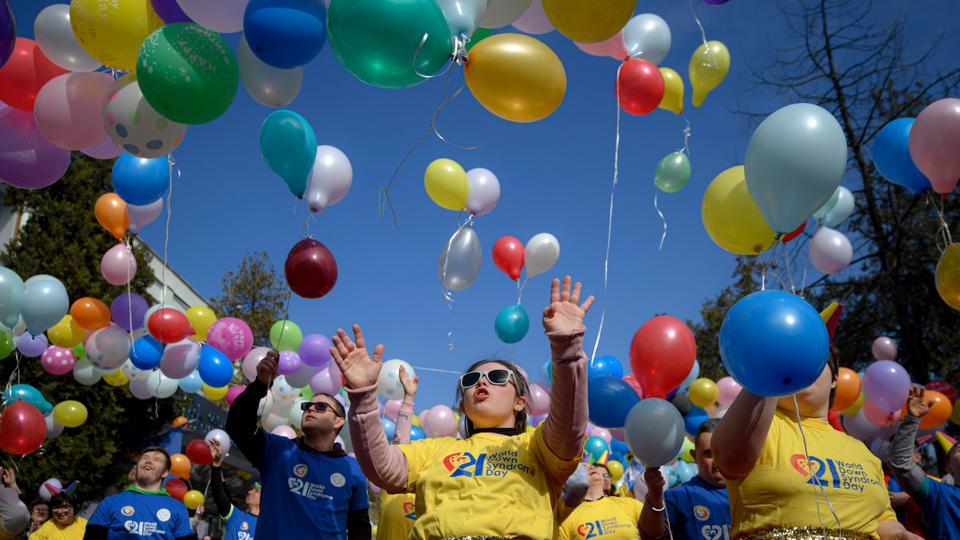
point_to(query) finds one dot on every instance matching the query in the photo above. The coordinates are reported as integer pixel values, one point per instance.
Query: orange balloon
(90, 313)
(180, 466)
(112, 214)
(940, 409)
(848, 389)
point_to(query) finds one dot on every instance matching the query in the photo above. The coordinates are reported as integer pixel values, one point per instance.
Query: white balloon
(830, 251)
(180, 359)
(500, 13)
(267, 85)
(842, 210)
(251, 360)
(53, 33)
(271, 422)
(84, 372)
(108, 348)
(224, 16)
(133, 373)
(483, 191)
(161, 386)
(220, 436)
(330, 179)
(388, 383)
(534, 20)
(134, 125)
(54, 428)
(647, 36)
(45, 492)
(302, 376)
(296, 414)
(141, 389)
(141, 216)
(462, 15)
(282, 391)
(541, 253)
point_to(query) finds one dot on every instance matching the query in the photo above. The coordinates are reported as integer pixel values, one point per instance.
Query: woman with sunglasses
(601, 513)
(500, 481)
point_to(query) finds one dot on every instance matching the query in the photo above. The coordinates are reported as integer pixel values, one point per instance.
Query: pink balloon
(878, 416)
(884, 348)
(284, 431)
(57, 360)
(442, 422)
(603, 433)
(534, 20)
(235, 391)
(934, 140)
(618, 434)
(423, 416)
(612, 47)
(118, 265)
(728, 390)
(27, 160)
(538, 400)
(105, 149)
(392, 407)
(140, 216)
(250, 362)
(69, 109)
(886, 384)
(324, 381)
(179, 359)
(231, 336)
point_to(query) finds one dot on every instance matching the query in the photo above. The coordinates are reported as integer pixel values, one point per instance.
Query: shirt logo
(829, 472)
(163, 515)
(410, 511)
(337, 480)
(300, 470)
(593, 529)
(127, 511)
(244, 526)
(799, 462)
(701, 512)
(495, 465)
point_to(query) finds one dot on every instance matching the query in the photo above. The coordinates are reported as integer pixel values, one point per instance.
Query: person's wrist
(408, 399)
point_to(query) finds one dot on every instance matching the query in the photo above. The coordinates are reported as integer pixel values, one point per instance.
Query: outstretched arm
(740, 435)
(242, 417)
(908, 474)
(405, 416)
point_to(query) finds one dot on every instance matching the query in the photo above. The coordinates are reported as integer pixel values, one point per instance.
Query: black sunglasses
(318, 406)
(499, 377)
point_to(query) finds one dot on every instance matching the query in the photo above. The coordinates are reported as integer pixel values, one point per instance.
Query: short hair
(954, 448)
(159, 450)
(832, 362)
(521, 387)
(64, 497)
(612, 490)
(708, 426)
(338, 407)
(38, 501)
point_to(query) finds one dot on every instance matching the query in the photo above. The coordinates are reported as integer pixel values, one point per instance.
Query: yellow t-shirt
(488, 484)
(610, 518)
(397, 515)
(50, 531)
(779, 492)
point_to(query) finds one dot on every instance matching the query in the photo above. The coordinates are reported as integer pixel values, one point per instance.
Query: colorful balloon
(460, 259)
(24, 429)
(442, 422)
(267, 85)
(224, 16)
(647, 37)
(388, 383)
(8, 32)
(199, 452)
(614, 47)
(500, 13)
(508, 253)
(538, 400)
(215, 367)
(289, 146)
(31, 346)
(146, 353)
(662, 353)
(727, 391)
(231, 336)
(285, 336)
(730, 216)
(180, 466)
(610, 400)
(289, 363)
(285, 33)
(45, 302)
(891, 156)
(534, 20)
(90, 313)
(118, 265)
(640, 87)
(483, 191)
(12, 290)
(587, 20)
(604, 366)
(842, 209)
(111, 213)
(53, 32)
(934, 138)
(512, 324)
(672, 91)
(70, 413)
(66, 333)
(948, 276)
(67, 109)
(169, 325)
(180, 359)
(462, 16)
(27, 159)
(595, 448)
(141, 216)
(830, 251)
(708, 68)
(330, 178)
(112, 33)
(169, 11)
(446, 184)
(940, 410)
(134, 125)
(107, 348)
(310, 269)
(201, 319)
(673, 172)
(25, 72)
(315, 350)
(884, 348)
(886, 384)
(703, 392)
(541, 253)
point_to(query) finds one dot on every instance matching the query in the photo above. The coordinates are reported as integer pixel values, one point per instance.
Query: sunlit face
(40, 513)
(326, 421)
(703, 455)
(64, 514)
(812, 399)
(491, 405)
(151, 468)
(253, 497)
(598, 475)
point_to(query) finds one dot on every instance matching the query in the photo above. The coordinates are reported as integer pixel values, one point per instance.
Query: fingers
(347, 342)
(575, 295)
(554, 291)
(358, 335)
(416, 379)
(335, 354)
(340, 344)
(587, 303)
(378, 353)
(565, 290)
(403, 374)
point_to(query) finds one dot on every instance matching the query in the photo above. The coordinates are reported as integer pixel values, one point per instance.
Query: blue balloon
(146, 352)
(417, 434)
(192, 383)
(692, 421)
(45, 302)
(692, 376)
(619, 447)
(605, 366)
(29, 394)
(685, 471)
(8, 32)
(140, 181)
(512, 324)
(389, 428)
(610, 400)
(774, 343)
(12, 290)
(215, 368)
(891, 156)
(289, 145)
(546, 372)
(595, 447)
(285, 33)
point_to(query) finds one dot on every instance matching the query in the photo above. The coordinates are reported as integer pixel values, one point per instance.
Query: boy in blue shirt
(239, 525)
(696, 510)
(311, 488)
(145, 509)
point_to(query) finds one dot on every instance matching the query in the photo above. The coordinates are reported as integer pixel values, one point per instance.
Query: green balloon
(673, 172)
(478, 35)
(377, 40)
(6, 343)
(79, 352)
(187, 73)
(306, 392)
(285, 336)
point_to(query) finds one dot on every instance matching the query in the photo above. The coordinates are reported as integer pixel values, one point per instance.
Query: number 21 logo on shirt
(464, 464)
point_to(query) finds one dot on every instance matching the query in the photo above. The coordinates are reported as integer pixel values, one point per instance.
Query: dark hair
(64, 497)
(832, 360)
(708, 426)
(159, 450)
(38, 501)
(612, 490)
(338, 407)
(521, 388)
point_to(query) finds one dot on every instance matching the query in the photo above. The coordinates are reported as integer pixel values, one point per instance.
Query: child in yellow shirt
(601, 513)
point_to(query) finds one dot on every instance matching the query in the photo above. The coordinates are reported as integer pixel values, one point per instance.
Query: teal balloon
(462, 16)
(794, 163)
(512, 324)
(381, 42)
(12, 290)
(29, 394)
(827, 206)
(289, 146)
(44, 304)
(595, 447)
(673, 172)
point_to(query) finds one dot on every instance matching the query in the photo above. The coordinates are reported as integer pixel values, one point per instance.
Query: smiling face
(490, 405)
(253, 497)
(327, 421)
(63, 514)
(150, 469)
(599, 476)
(40, 513)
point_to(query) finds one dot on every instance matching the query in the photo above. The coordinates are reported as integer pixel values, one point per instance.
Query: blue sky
(555, 177)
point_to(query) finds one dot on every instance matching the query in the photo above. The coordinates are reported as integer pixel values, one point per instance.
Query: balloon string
(286, 310)
(786, 260)
(818, 487)
(129, 295)
(663, 219)
(419, 368)
(521, 286)
(166, 235)
(448, 98)
(445, 292)
(944, 238)
(613, 191)
(703, 33)
(687, 132)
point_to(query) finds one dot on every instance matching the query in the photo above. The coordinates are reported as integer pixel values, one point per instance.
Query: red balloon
(662, 354)
(199, 452)
(632, 381)
(944, 388)
(879, 416)
(25, 73)
(794, 233)
(508, 256)
(310, 269)
(639, 86)
(177, 488)
(169, 325)
(22, 429)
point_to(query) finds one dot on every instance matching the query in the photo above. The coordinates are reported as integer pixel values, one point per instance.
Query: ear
(165, 474)
(520, 404)
(338, 423)
(462, 408)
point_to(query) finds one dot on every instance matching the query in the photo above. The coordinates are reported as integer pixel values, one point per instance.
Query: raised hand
(409, 385)
(352, 358)
(267, 368)
(216, 452)
(916, 406)
(565, 313)
(655, 484)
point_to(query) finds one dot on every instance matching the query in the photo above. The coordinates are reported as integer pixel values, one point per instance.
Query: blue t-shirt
(698, 511)
(940, 504)
(240, 525)
(307, 494)
(142, 513)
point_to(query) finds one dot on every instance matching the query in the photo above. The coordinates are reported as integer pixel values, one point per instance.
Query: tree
(61, 237)
(255, 294)
(861, 68)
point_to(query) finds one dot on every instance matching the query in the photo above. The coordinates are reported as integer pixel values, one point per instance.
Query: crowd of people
(768, 469)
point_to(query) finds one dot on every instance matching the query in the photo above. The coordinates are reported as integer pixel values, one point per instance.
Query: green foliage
(254, 293)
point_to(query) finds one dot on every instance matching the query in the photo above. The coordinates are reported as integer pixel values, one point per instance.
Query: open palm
(351, 357)
(565, 313)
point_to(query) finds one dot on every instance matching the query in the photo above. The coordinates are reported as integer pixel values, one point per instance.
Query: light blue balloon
(827, 206)
(685, 471)
(29, 394)
(595, 447)
(416, 434)
(289, 145)
(512, 324)
(462, 16)
(389, 428)
(891, 156)
(44, 304)
(794, 163)
(692, 376)
(841, 211)
(192, 383)
(12, 290)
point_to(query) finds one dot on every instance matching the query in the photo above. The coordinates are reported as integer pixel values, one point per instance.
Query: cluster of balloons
(476, 191)
(28, 419)
(511, 256)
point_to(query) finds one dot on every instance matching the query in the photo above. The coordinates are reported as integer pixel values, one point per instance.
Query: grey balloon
(647, 36)
(44, 304)
(460, 260)
(12, 290)
(267, 85)
(57, 41)
(655, 432)
(503, 12)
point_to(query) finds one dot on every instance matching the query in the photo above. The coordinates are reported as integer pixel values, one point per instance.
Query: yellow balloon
(516, 77)
(948, 276)
(415, 421)
(685, 454)
(214, 394)
(201, 319)
(446, 183)
(955, 415)
(615, 468)
(703, 392)
(672, 91)
(855, 408)
(66, 333)
(708, 68)
(117, 378)
(112, 31)
(70, 413)
(192, 499)
(731, 218)
(587, 21)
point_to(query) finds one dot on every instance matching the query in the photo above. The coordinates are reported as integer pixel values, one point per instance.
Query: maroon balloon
(310, 269)
(22, 429)
(944, 388)
(176, 487)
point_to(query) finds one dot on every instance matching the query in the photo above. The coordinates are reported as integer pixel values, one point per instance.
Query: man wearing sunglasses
(311, 488)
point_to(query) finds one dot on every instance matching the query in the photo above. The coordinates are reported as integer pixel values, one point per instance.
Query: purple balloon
(27, 160)
(8, 32)
(31, 346)
(122, 307)
(289, 362)
(315, 350)
(886, 384)
(715, 2)
(169, 11)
